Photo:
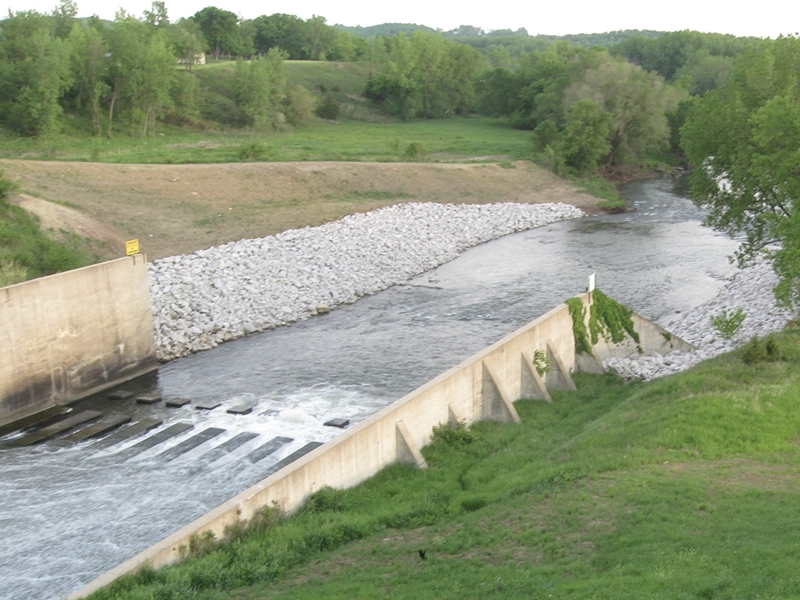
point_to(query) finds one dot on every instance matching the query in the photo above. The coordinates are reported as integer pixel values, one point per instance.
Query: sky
(764, 18)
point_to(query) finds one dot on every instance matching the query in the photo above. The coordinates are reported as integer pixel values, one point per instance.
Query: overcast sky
(764, 18)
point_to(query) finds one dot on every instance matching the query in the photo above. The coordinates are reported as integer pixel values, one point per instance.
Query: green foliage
(34, 74)
(587, 135)
(260, 85)
(452, 435)
(329, 108)
(414, 151)
(201, 544)
(610, 319)
(602, 188)
(7, 186)
(425, 76)
(298, 105)
(255, 151)
(325, 499)
(579, 331)
(541, 362)
(727, 325)
(743, 141)
(220, 29)
(607, 319)
(27, 252)
(762, 350)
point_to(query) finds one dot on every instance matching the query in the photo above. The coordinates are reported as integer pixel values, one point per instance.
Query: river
(72, 511)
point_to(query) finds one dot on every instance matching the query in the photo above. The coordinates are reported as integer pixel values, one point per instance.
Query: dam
(99, 510)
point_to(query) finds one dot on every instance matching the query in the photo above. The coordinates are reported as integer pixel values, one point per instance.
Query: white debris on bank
(749, 289)
(211, 296)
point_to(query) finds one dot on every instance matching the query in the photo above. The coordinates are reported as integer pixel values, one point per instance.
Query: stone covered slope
(222, 293)
(749, 289)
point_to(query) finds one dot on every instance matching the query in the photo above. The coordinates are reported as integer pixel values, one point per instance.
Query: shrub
(727, 325)
(329, 108)
(414, 150)
(447, 435)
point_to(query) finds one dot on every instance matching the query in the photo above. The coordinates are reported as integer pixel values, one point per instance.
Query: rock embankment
(749, 289)
(222, 293)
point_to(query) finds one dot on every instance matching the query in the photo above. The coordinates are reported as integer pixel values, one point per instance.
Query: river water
(72, 511)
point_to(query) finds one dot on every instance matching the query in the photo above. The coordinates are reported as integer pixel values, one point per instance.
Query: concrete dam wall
(69, 335)
(484, 386)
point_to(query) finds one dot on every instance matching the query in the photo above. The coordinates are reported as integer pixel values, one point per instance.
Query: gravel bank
(222, 293)
(749, 289)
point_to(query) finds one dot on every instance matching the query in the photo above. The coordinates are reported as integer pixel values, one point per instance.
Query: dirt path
(176, 209)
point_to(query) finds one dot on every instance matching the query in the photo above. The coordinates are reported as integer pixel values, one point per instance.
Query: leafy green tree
(587, 135)
(425, 75)
(89, 67)
(186, 41)
(704, 72)
(260, 86)
(280, 31)
(34, 74)
(141, 73)
(64, 18)
(220, 29)
(744, 142)
(637, 101)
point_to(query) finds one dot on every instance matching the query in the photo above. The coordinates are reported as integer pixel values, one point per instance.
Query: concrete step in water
(40, 419)
(228, 446)
(241, 409)
(209, 405)
(133, 430)
(104, 425)
(191, 443)
(177, 402)
(62, 426)
(148, 399)
(157, 438)
(287, 460)
(265, 450)
(120, 395)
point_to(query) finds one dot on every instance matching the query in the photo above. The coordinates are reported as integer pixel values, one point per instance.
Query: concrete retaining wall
(482, 387)
(71, 334)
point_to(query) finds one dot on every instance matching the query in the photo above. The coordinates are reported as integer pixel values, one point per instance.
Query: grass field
(441, 140)
(685, 487)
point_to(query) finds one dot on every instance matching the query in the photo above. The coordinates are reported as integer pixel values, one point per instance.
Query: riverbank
(203, 299)
(748, 289)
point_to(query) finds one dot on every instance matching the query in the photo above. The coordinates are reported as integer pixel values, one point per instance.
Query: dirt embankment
(177, 209)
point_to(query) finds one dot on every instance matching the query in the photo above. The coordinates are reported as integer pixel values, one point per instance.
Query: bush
(7, 186)
(298, 105)
(447, 435)
(766, 350)
(329, 108)
(727, 325)
(414, 150)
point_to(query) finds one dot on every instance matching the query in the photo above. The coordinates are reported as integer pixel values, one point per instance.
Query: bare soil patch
(177, 209)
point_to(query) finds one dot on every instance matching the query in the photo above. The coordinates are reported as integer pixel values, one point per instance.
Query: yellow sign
(131, 247)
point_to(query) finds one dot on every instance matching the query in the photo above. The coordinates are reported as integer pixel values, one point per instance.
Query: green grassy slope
(686, 487)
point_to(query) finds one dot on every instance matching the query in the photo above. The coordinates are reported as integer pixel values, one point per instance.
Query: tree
(141, 73)
(637, 101)
(89, 67)
(587, 135)
(219, 27)
(34, 74)
(425, 75)
(744, 141)
(260, 85)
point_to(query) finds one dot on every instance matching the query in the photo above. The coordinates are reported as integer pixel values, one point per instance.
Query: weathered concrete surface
(68, 335)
